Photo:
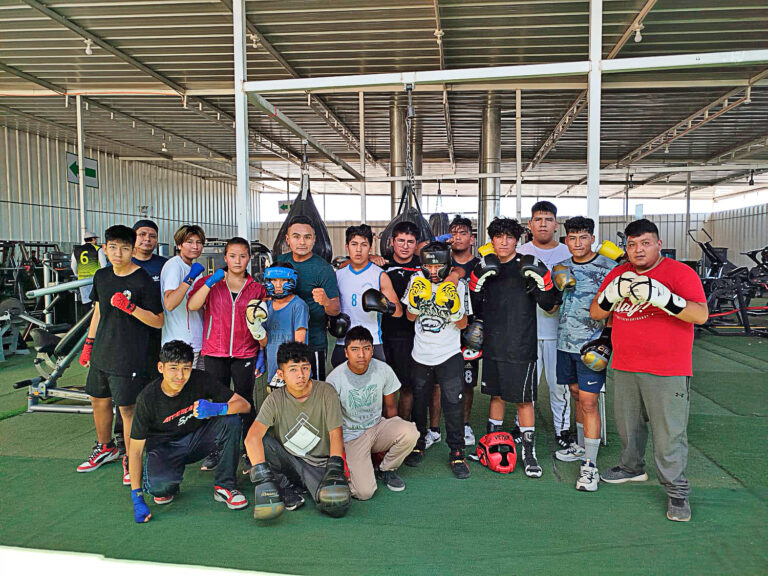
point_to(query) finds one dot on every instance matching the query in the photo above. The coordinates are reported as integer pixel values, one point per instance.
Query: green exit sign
(284, 206)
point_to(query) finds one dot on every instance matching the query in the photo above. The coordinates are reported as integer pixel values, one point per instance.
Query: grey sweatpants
(663, 402)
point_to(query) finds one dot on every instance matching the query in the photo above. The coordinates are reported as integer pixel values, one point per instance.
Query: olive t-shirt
(302, 427)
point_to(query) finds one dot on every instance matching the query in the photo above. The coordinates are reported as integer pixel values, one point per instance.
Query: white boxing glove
(255, 314)
(617, 289)
(644, 289)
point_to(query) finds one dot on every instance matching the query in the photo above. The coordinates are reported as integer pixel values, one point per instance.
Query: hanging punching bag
(439, 223)
(410, 215)
(303, 205)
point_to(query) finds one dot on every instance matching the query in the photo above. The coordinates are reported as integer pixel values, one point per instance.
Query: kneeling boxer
(179, 419)
(307, 446)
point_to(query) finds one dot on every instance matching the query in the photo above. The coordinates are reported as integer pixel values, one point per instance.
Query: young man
(579, 278)
(144, 251)
(176, 278)
(510, 298)
(317, 287)
(655, 301)
(355, 280)
(180, 417)
(365, 385)
(86, 259)
(397, 333)
(439, 309)
(126, 309)
(546, 247)
(307, 445)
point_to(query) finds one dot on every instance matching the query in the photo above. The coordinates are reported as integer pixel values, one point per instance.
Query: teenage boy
(176, 278)
(316, 286)
(510, 298)
(366, 388)
(397, 333)
(354, 280)
(579, 278)
(439, 310)
(126, 309)
(180, 417)
(654, 302)
(546, 247)
(307, 445)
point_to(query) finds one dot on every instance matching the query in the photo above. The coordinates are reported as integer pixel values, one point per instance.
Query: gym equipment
(54, 355)
(729, 289)
(212, 257)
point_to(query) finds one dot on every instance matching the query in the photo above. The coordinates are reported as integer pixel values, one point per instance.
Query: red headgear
(497, 452)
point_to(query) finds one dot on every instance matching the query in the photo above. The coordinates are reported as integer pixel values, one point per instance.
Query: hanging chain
(411, 182)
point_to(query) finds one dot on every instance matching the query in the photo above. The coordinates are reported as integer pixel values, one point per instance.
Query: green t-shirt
(302, 427)
(314, 273)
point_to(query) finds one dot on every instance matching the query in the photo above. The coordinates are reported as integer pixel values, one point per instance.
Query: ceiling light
(638, 36)
(666, 149)
(751, 177)
(164, 148)
(88, 44)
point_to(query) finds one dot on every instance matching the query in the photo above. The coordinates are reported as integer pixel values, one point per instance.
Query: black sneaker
(415, 458)
(292, 497)
(391, 479)
(490, 427)
(211, 461)
(246, 464)
(120, 443)
(517, 436)
(678, 510)
(459, 464)
(530, 463)
(564, 439)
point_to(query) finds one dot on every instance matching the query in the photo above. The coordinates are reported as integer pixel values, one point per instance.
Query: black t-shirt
(509, 315)
(123, 343)
(400, 275)
(164, 417)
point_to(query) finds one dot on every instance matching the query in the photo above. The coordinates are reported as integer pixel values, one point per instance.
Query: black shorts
(398, 354)
(512, 381)
(471, 372)
(122, 389)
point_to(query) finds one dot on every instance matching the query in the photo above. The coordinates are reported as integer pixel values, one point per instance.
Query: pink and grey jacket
(225, 332)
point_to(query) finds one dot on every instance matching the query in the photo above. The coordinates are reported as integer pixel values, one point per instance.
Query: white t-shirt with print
(180, 323)
(546, 323)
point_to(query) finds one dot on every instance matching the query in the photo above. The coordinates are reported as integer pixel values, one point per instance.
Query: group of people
(415, 334)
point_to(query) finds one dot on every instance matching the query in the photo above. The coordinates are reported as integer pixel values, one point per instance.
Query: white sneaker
(469, 435)
(573, 453)
(588, 477)
(432, 437)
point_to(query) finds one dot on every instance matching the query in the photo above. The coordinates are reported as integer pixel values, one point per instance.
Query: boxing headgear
(280, 273)
(496, 452)
(436, 254)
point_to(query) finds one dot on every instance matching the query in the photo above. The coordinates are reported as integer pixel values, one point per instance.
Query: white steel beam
(518, 155)
(242, 199)
(593, 103)
(80, 163)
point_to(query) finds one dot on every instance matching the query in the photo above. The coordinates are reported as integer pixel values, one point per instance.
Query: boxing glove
(487, 267)
(420, 292)
(472, 337)
(338, 325)
(535, 274)
(217, 276)
(596, 353)
(206, 409)
(563, 277)
(255, 314)
(85, 355)
(267, 502)
(140, 509)
(447, 297)
(333, 494)
(122, 302)
(610, 251)
(375, 301)
(194, 271)
(645, 289)
(617, 289)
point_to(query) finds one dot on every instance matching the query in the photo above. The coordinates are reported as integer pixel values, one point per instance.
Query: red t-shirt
(645, 338)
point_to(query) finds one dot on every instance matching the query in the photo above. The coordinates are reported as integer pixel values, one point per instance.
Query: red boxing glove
(121, 301)
(85, 355)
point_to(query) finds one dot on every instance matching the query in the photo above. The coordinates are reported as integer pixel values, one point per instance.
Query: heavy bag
(439, 224)
(303, 205)
(410, 215)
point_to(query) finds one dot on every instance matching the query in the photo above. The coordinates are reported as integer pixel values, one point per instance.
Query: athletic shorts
(122, 389)
(513, 381)
(471, 372)
(398, 354)
(571, 370)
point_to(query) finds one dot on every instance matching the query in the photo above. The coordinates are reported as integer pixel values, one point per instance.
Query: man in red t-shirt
(655, 302)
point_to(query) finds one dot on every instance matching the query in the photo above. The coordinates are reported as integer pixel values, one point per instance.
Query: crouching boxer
(179, 419)
(364, 385)
(306, 449)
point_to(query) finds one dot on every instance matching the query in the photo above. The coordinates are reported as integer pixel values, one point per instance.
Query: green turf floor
(489, 524)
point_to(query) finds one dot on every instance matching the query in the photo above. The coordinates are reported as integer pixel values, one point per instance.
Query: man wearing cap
(86, 259)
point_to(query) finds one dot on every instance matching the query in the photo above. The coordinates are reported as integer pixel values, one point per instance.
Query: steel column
(417, 154)
(80, 161)
(361, 112)
(518, 155)
(490, 161)
(242, 200)
(686, 239)
(593, 96)
(397, 144)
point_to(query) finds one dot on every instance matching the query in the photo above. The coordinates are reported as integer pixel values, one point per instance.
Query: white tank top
(352, 284)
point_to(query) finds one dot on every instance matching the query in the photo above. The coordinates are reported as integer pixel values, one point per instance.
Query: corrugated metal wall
(38, 203)
(740, 230)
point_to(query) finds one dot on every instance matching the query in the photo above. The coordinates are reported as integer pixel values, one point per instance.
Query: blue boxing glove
(444, 237)
(194, 272)
(207, 409)
(140, 509)
(217, 276)
(261, 363)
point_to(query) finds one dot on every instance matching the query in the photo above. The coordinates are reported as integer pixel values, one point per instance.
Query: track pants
(289, 468)
(559, 396)
(449, 375)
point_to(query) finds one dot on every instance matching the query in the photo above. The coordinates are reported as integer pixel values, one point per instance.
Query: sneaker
(391, 479)
(517, 436)
(564, 439)
(617, 475)
(234, 499)
(469, 435)
(162, 500)
(432, 437)
(415, 458)
(573, 453)
(102, 453)
(292, 497)
(588, 477)
(459, 464)
(246, 464)
(530, 463)
(678, 510)
(120, 443)
(126, 474)
(211, 461)
(490, 427)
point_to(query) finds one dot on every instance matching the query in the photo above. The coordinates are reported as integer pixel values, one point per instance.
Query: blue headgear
(281, 273)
